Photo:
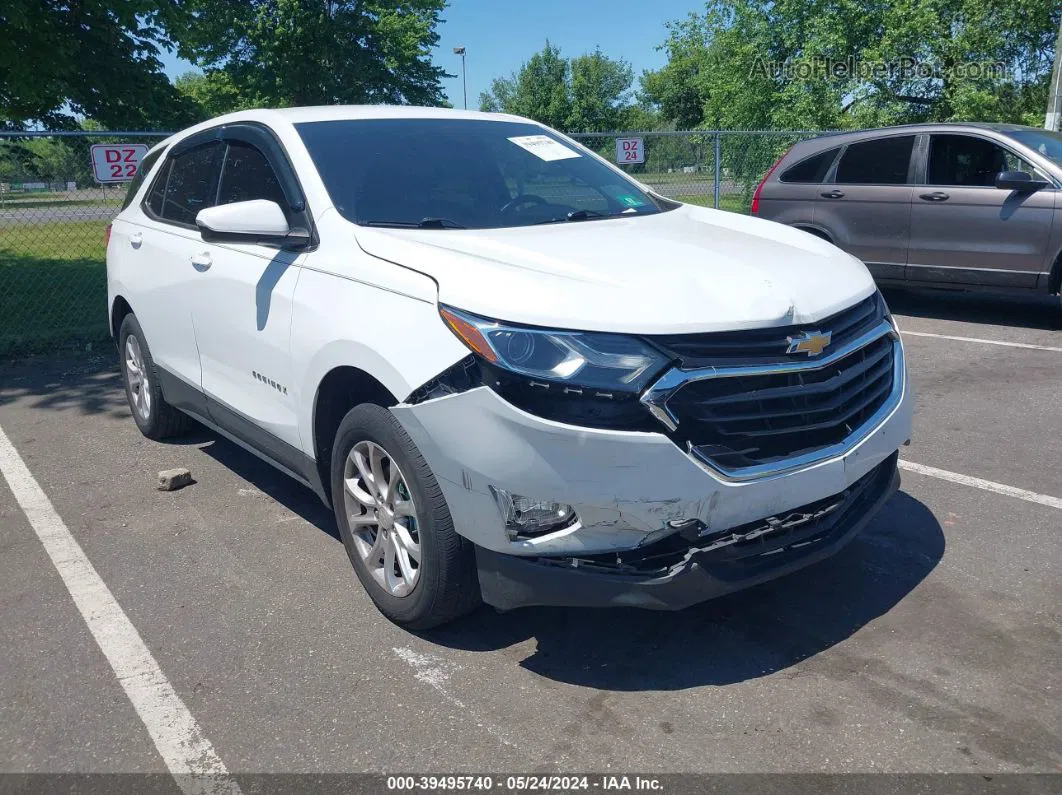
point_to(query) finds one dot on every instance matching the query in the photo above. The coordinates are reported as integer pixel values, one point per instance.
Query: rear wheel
(155, 418)
(395, 524)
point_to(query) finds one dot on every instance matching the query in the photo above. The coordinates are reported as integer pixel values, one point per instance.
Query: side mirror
(256, 221)
(1021, 181)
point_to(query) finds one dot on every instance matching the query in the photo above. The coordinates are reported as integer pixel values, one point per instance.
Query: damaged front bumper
(672, 574)
(635, 494)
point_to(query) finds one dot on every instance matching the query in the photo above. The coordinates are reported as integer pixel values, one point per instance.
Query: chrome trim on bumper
(657, 395)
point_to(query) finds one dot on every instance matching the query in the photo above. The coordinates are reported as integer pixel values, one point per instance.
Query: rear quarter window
(142, 171)
(811, 169)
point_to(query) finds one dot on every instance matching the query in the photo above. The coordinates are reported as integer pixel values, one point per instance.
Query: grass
(24, 204)
(735, 204)
(53, 285)
(673, 177)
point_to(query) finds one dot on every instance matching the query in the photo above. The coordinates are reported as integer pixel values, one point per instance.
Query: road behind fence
(53, 216)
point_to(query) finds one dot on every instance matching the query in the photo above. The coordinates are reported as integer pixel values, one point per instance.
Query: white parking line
(981, 341)
(188, 755)
(984, 485)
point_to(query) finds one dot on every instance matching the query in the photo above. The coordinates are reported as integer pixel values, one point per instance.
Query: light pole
(464, 74)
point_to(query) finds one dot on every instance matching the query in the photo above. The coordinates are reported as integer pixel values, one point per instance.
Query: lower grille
(754, 544)
(736, 422)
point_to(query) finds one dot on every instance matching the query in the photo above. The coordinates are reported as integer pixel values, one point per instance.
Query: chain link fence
(713, 168)
(53, 216)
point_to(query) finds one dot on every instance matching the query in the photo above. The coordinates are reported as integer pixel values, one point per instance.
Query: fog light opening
(526, 518)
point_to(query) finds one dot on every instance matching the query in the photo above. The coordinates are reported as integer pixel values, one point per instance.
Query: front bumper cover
(508, 581)
(628, 488)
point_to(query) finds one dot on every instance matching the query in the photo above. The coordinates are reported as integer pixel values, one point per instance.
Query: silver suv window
(969, 161)
(882, 161)
(811, 169)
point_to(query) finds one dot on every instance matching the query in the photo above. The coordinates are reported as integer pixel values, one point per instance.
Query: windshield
(463, 173)
(1047, 143)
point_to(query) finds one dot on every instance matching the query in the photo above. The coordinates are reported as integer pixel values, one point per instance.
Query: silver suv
(962, 206)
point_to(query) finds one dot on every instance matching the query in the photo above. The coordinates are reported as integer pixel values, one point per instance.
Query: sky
(500, 35)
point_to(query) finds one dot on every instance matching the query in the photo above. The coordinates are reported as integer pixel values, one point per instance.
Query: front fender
(337, 322)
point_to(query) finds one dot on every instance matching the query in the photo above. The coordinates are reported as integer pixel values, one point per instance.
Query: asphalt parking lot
(930, 644)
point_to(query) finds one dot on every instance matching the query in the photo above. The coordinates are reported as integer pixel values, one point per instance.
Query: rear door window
(883, 161)
(811, 169)
(186, 185)
(247, 175)
(142, 171)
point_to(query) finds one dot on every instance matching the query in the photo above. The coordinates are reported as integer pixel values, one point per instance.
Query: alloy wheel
(137, 377)
(382, 517)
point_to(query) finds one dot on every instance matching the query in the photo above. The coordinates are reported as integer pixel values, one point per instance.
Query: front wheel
(395, 524)
(155, 418)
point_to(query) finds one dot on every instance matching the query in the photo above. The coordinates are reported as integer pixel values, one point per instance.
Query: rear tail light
(107, 236)
(759, 188)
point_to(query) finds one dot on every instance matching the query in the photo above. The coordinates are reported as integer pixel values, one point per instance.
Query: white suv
(515, 373)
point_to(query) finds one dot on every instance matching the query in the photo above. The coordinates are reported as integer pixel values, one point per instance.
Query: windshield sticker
(631, 201)
(544, 147)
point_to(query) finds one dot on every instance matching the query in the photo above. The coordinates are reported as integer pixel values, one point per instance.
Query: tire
(155, 418)
(410, 514)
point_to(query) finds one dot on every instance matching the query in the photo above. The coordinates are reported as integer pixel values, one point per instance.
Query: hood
(684, 271)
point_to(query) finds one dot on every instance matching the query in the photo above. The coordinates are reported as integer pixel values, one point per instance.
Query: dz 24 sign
(116, 162)
(630, 150)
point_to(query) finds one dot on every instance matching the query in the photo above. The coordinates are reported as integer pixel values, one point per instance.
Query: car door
(242, 317)
(163, 247)
(965, 230)
(865, 203)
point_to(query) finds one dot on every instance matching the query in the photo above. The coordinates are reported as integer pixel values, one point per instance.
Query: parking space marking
(981, 341)
(189, 756)
(984, 485)
(434, 671)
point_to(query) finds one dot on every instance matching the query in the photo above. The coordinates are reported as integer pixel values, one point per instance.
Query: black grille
(761, 346)
(743, 421)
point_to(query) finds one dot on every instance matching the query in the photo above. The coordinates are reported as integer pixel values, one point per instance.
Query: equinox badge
(810, 342)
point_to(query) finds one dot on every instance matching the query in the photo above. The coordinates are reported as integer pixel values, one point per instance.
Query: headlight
(581, 358)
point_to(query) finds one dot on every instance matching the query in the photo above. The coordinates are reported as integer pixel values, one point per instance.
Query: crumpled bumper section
(655, 527)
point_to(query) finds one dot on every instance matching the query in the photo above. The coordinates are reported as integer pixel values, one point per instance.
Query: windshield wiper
(575, 215)
(423, 223)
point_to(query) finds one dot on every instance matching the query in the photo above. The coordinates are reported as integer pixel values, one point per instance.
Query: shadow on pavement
(1032, 311)
(291, 494)
(739, 637)
(90, 383)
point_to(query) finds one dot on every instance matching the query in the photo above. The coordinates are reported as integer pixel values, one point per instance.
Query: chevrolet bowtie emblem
(810, 342)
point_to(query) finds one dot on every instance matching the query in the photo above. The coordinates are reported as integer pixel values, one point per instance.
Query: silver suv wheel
(382, 517)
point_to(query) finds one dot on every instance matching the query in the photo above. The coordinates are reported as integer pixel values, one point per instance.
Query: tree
(61, 61)
(313, 52)
(213, 94)
(773, 63)
(539, 90)
(600, 92)
(590, 93)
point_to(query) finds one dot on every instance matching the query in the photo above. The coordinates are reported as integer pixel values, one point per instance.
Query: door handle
(833, 194)
(136, 239)
(936, 196)
(201, 262)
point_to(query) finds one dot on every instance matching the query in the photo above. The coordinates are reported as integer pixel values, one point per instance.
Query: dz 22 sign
(630, 150)
(116, 162)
